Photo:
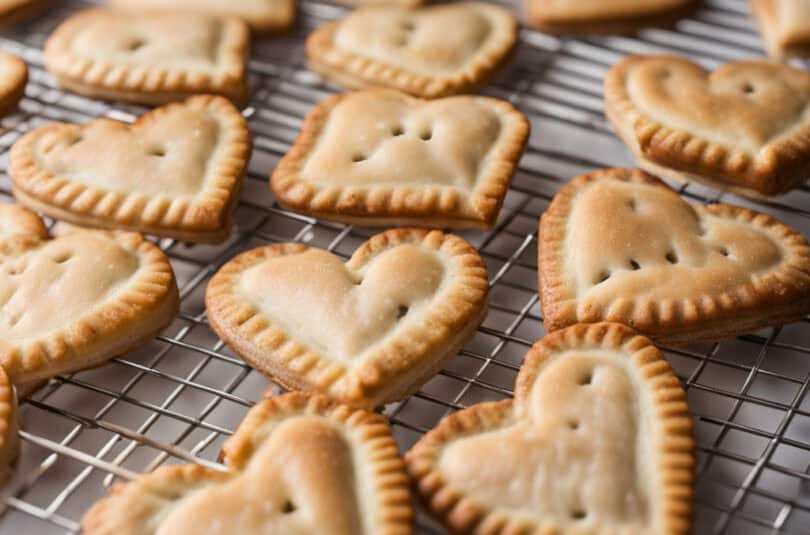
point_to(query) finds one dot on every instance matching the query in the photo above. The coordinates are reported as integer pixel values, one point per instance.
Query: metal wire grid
(180, 396)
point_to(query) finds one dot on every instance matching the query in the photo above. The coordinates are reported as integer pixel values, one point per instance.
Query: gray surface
(177, 398)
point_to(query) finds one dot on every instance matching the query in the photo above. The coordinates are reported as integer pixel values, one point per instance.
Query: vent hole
(408, 25)
(578, 514)
(573, 424)
(672, 258)
(723, 251)
(426, 136)
(289, 507)
(62, 258)
(603, 276)
(397, 131)
(635, 266)
(75, 140)
(748, 89)
(586, 379)
(157, 151)
(403, 310)
(15, 319)
(631, 205)
(358, 158)
(135, 45)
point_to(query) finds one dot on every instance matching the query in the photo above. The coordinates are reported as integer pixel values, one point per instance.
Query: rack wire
(180, 396)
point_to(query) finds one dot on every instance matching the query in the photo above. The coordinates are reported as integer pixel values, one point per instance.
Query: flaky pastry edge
(12, 84)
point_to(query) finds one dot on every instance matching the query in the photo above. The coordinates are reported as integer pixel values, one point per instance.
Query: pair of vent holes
(398, 131)
(402, 311)
(747, 88)
(585, 380)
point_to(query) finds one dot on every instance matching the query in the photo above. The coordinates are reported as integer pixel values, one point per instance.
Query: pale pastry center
(59, 281)
(300, 481)
(644, 241)
(434, 41)
(573, 456)
(183, 41)
(167, 156)
(338, 312)
(387, 140)
(744, 106)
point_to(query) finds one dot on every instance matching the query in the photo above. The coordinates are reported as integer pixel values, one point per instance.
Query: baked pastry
(9, 443)
(379, 157)
(785, 26)
(149, 58)
(154, 177)
(76, 300)
(13, 10)
(363, 3)
(365, 332)
(296, 464)
(744, 127)
(562, 16)
(619, 245)
(263, 16)
(13, 76)
(411, 49)
(598, 439)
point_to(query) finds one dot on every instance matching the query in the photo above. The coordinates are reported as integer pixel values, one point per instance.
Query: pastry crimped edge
(16, 10)
(155, 85)
(743, 310)
(418, 204)
(784, 166)
(12, 87)
(115, 326)
(392, 506)
(208, 219)
(618, 23)
(9, 424)
(674, 440)
(355, 71)
(407, 360)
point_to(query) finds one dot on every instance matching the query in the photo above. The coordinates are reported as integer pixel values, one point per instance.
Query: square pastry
(785, 26)
(365, 332)
(597, 441)
(149, 58)
(297, 464)
(263, 16)
(744, 127)
(379, 157)
(150, 176)
(411, 49)
(620, 245)
(560, 16)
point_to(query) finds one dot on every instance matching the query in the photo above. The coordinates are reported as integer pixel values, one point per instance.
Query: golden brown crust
(272, 17)
(13, 77)
(354, 69)
(12, 11)
(9, 443)
(141, 506)
(141, 304)
(785, 27)
(659, 396)
(203, 216)
(767, 294)
(393, 367)
(385, 203)
(682, 129)
(604, 16)
(99, 77)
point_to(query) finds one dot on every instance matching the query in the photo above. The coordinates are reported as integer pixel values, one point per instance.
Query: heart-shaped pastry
(598, 441)
(603, 15)
(76, 300)
(149, 57)
(619, 245)
(13, 76)
(9, 443)
(365, 332)
(379, 157)
(151, 176)
(411, 49)
(263, 16)
(296, 465)
(744, 127)
(785, 26)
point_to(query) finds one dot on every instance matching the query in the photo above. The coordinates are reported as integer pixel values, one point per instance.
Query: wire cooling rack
(179, 397)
